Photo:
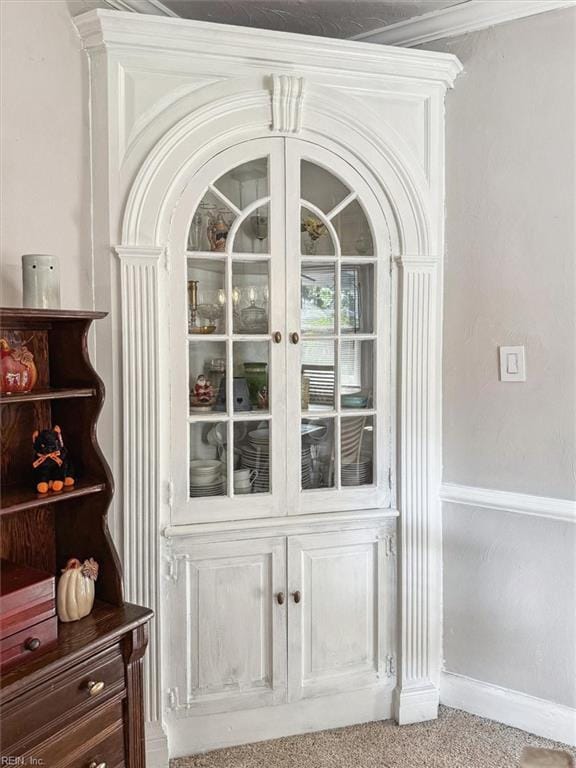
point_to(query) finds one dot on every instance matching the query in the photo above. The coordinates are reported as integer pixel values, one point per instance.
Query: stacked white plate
(255, 454)
(215, 489)
(357, 474)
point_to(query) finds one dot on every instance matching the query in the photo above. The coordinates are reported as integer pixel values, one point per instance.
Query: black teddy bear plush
(52, 469)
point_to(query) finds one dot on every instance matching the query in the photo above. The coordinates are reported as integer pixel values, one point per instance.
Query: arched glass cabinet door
(339, 331)
(229, 399)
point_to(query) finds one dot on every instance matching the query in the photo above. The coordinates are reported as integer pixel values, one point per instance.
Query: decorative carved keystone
(287, 101)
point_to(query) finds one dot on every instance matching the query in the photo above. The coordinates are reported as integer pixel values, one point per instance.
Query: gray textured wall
(509, 580)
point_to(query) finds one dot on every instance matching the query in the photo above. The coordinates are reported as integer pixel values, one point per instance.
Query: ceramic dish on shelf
(203, 329)
(355, 399)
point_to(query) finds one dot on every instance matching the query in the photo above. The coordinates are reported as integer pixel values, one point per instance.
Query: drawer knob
(32, 644)
(297, 596)
(94, 688)
(280, 598)
(94, 764)
(294, 337)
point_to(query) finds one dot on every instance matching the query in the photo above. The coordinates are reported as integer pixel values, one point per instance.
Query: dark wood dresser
(75, 700)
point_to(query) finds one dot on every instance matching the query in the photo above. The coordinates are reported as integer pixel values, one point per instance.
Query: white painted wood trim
(139, 285)
(460, 19)
(266, 48)
(156, 746)
(506, 501)
(154, 7)
(285, 525)
(417, 695)
(519, 710)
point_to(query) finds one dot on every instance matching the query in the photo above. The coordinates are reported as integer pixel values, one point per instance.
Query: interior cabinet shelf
(19, 499)
(62, 393)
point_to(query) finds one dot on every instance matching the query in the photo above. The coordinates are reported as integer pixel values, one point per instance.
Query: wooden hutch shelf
(17, 499)
(65, 393)
(50, 711)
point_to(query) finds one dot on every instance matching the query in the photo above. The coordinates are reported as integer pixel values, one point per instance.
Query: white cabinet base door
(228, 632)
(190, 735)
(341, 598)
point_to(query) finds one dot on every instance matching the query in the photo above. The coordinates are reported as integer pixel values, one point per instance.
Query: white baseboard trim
(537, 716)
(459, 19)
(416, 704)
(156, 746)
(519, 503)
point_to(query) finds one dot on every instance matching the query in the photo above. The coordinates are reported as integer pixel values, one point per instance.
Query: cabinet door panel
(229, 632)
(338, 638)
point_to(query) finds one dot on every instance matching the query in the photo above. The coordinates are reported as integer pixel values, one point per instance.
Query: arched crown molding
(238, 110)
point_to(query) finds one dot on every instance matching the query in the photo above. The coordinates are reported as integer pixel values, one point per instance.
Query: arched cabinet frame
(233, 112)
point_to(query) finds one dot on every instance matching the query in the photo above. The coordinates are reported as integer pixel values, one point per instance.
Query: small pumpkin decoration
(76, 589)
(18, 372)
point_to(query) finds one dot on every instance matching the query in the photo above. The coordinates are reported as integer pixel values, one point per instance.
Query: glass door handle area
(277, 337)
(280, 598)
(294, 337)
(297, 596)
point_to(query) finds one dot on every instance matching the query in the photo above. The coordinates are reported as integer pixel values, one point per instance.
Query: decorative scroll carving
(287, 102)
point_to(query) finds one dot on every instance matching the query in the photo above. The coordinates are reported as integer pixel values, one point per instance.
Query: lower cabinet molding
(519, 710)
(415, 704)
(190, 735)
(156, 745)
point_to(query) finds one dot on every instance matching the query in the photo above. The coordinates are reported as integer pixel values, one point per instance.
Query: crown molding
(150, 7)
(467, 16)
(261, 47)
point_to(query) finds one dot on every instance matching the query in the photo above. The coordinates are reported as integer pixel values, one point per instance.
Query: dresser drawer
(64, 699)
(97, 740)
(31, 640)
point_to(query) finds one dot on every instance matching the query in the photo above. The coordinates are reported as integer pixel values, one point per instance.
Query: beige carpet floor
(455, 740)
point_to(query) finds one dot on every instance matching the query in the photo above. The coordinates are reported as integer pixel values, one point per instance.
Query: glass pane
(353, 231)
(317, 298)
(317, 360)
(207, 471)
(356, 450)
(250, 296)
(319, 187)
(251, 365)
(357, 298)
(252, 443)
(210, 225)
(252, 237)
(246, 183)
(356, 374)
(314, 237)
(206, 296)
(207, 368)
(317, 460)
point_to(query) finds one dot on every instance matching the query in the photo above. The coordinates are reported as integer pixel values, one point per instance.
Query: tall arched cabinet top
(269, 217)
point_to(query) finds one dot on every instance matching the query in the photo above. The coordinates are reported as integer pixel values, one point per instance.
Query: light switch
(512, 364)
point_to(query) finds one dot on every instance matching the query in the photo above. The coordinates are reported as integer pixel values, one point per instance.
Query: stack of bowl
(207, 478)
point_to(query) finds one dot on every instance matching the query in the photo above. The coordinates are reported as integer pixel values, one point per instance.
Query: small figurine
(75, 597)
(217, 232)
(203, 392)
(263, 398)
(17, 369)
(52, 470)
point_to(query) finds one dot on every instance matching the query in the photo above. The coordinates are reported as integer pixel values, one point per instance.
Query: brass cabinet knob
(294, 337)
(94, 764)
(94, 687)
(32, 644)
(277, 336)
(280, 598)
(297, 596)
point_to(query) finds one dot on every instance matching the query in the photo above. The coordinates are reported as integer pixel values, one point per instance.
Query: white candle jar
(41, 281)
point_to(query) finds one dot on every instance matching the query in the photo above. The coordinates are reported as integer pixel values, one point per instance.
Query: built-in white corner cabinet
(268, 219)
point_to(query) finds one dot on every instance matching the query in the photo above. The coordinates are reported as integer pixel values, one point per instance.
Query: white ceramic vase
(41, 281)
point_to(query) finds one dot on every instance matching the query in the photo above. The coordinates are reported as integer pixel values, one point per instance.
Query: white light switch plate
(512, 364)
